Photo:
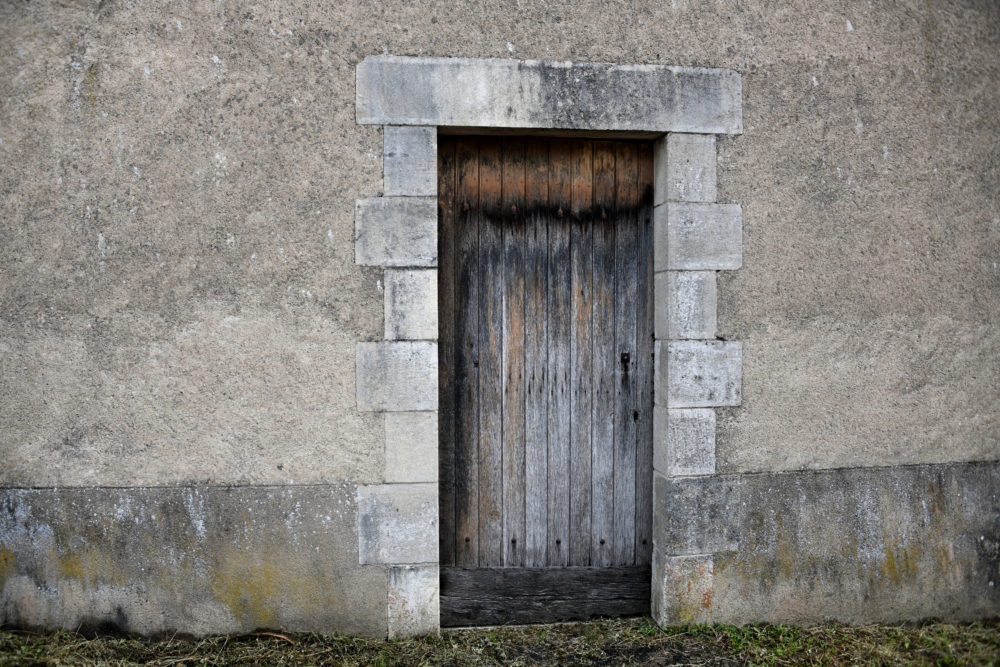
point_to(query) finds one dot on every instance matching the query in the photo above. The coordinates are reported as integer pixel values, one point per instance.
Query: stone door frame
(682, 109)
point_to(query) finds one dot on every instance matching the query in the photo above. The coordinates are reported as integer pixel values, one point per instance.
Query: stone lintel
(536, 94)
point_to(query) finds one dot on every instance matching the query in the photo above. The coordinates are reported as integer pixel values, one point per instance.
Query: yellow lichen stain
(248, 586)
(786, 552)
(6, 565)
(90, 84)
(89, 566)
(899, 562)
(70, 566)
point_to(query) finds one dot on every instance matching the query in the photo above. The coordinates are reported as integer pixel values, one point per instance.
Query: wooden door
(546, 349)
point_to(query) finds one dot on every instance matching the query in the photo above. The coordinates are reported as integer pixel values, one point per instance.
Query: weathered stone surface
(697, 374)
(397, 376)
(544, 94)
(398, 523)
(693, 237)
(696, 515)
(414, 600)
(683, 441)
(411, 447)
(199, 560)
(683, 589)
(684, 168)
(410, 161)
(863, 545)
(411, 304)
(686, 304)
(396, 231)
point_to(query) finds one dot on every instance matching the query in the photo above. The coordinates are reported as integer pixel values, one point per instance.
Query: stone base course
(198, 559)
(854, 545)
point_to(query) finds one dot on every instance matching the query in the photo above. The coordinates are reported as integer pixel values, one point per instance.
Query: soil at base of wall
(635, 641)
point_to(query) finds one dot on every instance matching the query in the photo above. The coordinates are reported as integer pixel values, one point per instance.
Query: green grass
(635, 641)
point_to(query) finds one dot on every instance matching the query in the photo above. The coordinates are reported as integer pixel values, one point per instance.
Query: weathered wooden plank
(604, 359)
(626, 413)
(535, 352)
(466, 389)
(581, 352)
(513, 351)
(540, 595)
(644, 363)
(446, 348)
(559, 361)
(491, 277)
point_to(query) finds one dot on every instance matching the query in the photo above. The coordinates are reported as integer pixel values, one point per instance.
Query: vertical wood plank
(626, 412)
(559, 362)
(604, 361)
(535, 357)
(466, 389)
(581, 352)
(446, 349)
(491, 277)
(644, 364)
(513, 351)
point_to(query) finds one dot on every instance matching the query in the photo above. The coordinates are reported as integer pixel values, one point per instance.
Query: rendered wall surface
(180, 303)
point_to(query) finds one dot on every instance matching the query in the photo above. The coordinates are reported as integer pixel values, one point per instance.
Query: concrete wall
(180, 301)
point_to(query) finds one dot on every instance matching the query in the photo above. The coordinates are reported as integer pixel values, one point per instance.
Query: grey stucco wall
(180, 300)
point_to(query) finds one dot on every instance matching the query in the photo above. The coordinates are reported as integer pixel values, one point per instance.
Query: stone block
(411, 447)
(698, 374)
(411, 304)
(396, 231)
(414, 600)
(684, 168)
(461, 92)
(683, 589)
(693, 236)
(398, 524)
(409, 161)
(683, 441)
(685, 304)
(696, 515)
(397, 376)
